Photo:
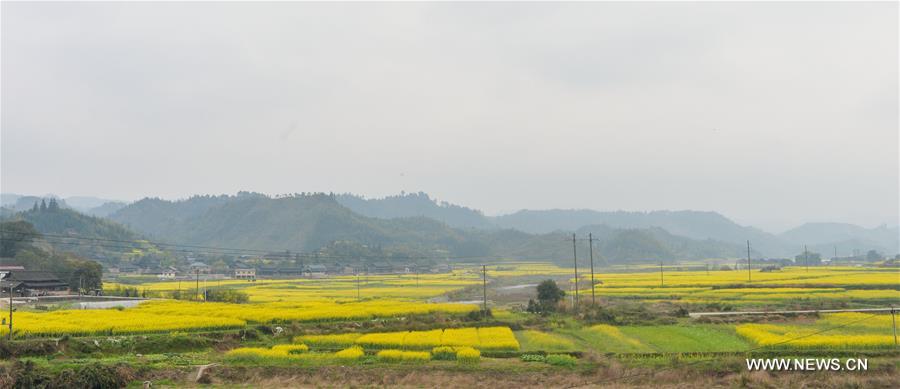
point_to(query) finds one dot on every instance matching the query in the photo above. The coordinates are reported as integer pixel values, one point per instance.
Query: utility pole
(484, 287)
(661, 283)
(806, 258)
(591, 244)
(707, 269)
(575, 260)
(748, 263)
(357, 284)
(80, 286)
(197, 292)
(893, 322)
(9, 336)
(417, 276)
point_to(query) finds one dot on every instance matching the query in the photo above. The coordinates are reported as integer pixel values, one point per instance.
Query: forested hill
(299, 223)
(415, 205)
(656, 244)
(709, 227)
(319, 222)
(67, 229)
(690, 224)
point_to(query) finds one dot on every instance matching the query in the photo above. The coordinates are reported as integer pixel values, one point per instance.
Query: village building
(27, 283)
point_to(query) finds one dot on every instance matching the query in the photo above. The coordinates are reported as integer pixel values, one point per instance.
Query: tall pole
(484, 287)
(357, 284)
(748, 263)
(575, 260)
(893, 322)
(707, 269)
(806, 258)
(197, 291)
(591, 244)
(661, 283)
(9, 335)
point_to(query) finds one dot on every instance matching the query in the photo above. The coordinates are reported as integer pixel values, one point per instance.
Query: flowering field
(484, 338)
(170, 315)
(856, 330)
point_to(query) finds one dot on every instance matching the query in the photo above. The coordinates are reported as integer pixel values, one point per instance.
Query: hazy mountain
(690, 224)
(106, 208)
(8, 199)
(307, 223)
(825, 237)
(299, 223)
(62, 226)
(656, 244)
(23, 202)
(84, 204)
(414, 205)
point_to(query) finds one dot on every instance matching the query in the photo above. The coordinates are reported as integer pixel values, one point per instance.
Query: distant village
(242, 270)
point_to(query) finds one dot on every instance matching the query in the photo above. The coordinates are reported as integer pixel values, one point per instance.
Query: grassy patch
(691, 338)
(544, 341)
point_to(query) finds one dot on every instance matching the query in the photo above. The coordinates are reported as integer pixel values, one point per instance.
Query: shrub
(532, 358)
(227, 296)
(350, 354)
(393, 356)
(561, 360)
(94, 375)
(443, 353)
(468, 356)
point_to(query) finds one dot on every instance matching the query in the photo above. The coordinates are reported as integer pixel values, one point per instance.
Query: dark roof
(32, 276)
(6, 284)
(36, 279)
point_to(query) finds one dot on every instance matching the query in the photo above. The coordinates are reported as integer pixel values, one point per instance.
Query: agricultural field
(395, 321)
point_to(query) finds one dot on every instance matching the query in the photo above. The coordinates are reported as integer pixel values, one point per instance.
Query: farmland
(410, 321)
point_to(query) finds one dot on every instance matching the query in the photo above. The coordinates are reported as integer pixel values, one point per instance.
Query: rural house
(28, 283)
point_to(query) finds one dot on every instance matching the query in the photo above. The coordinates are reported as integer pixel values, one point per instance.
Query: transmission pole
(806, 258)
(575, 260)
(893, 322)
(197, 291)
(9, 336)
(484, 287)
(748, 263)
(661, 283)
(591, 244)
(357, 284)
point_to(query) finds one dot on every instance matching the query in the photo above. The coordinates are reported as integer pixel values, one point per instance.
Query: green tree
(808, 258)
(873, 255)
(549, 295)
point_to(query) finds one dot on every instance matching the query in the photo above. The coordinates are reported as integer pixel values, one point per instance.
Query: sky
(773, 114)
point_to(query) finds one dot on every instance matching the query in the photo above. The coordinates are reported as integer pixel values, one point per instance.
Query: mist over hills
(416, 225)
(843, 237)
(304, 223)
(413, 205)
(94, 206)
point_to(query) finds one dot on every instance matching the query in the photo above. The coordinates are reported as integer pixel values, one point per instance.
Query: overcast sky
(772, 114)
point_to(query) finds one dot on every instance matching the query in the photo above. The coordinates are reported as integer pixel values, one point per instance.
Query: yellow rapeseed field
(485, 338)
(172, 315)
